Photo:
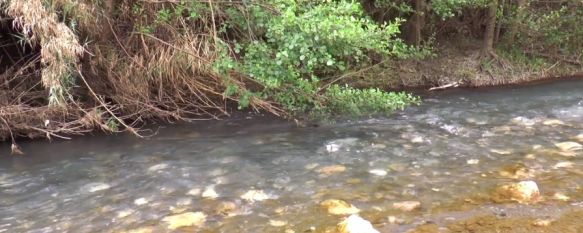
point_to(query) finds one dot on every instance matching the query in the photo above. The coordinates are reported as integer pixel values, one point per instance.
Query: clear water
(116, 183)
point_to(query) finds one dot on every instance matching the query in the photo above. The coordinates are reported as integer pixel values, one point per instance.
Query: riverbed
(260, 174)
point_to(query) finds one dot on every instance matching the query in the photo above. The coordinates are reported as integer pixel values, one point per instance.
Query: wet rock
(398, 167)
(330, 148)
(226, 208)
(158, 167)
(553, 122)
(417, 139)
(523, 121)
(569, 146)
(407, 205)
(339, 207)
(124, 213)
(522, 192)
(542, 222)
(140, 230)
(277, 223)
(141, 201)
(190, 219)
(193, 192)
(564, 164)
(378, 172)
(579, 137)
(379, 146)
(254, 195)
(329, 170)
(311, 166)
(473, 161)
(501, 152)
(561, 197)
(210, 192)
(355, 224)
(96, 187)
(517, 171)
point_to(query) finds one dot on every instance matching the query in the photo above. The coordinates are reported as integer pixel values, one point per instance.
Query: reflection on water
(265, 175)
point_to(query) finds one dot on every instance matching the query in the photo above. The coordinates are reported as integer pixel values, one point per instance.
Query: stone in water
(407, 205)
(569, 146)
(378, 172)
(356, 224)
(254, 195)
(190, 219)
(210, 193)
(521, 192)
(339, 207)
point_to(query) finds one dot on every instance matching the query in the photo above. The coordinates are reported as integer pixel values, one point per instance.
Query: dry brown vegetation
(104, 74)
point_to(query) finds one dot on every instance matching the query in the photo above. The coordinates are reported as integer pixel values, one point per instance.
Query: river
(259, 174)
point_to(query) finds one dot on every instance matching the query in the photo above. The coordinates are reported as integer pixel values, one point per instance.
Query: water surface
(448, 154)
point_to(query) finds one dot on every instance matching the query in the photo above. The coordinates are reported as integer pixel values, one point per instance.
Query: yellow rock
(277, 223)
(329, 170)
(355, 224)
(407, 205)
(579, 137)
(190, 219)
(542, 222)
(139, 230)
(339, 207)
(226, 208)
(569, 146)
(561, 197)
(553, 122)
(521, 192)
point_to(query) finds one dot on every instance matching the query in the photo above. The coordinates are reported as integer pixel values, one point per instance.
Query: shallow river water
(268, 175)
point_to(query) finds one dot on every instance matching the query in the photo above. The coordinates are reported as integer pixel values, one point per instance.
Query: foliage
(308, 41)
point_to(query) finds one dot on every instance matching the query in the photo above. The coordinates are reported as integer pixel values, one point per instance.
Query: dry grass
(120, 79)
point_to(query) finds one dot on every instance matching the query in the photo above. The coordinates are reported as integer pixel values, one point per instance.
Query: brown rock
(521, 192)
(407, 205)
(339, 207)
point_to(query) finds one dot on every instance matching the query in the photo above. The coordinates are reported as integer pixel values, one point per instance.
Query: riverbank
(151, 63)
(459, 64)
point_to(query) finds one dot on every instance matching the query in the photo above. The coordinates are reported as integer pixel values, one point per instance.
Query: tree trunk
(488, 46)
(499, 26)
(518, 14)
(417, 22)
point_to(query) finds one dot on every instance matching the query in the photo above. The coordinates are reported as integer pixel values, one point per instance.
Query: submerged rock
(190, 219)
(210, 193)
(254, 195)
(561, 197)
(542, 222)
(569, 146)
(564, 164)
(522, 192)
(407, 205)
(339, 207)
(226, 209)
(378, 172)
(329, 170)
(355, 224)
(473, 161)
(277, 223)
(141, 201)
(96, 187)
(553, 122)
(158, 167)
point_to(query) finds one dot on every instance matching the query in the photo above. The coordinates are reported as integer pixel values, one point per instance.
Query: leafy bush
(309, 40)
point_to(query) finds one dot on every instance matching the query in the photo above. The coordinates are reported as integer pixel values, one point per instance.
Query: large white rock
(356, 224)
(522, 192)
